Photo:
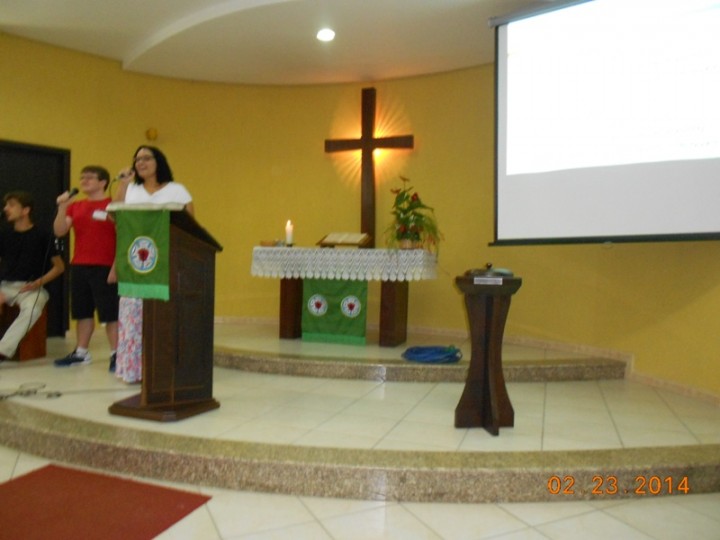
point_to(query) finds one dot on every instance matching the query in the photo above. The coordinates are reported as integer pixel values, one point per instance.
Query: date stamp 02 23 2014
(609, 485)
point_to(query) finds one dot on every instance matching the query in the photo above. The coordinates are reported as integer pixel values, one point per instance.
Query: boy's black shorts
(90, 291)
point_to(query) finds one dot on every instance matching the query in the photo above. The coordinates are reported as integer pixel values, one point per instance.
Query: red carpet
(60, 503)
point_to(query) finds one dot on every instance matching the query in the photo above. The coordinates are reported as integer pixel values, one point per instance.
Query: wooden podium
(485, 401)
(178, 334)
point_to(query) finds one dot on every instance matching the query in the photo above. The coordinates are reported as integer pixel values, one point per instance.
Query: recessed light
(326, 34)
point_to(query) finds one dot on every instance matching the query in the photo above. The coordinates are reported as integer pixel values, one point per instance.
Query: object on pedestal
(485, 401)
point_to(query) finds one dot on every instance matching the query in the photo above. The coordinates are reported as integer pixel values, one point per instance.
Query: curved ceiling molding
(187, 22)
(268, 42)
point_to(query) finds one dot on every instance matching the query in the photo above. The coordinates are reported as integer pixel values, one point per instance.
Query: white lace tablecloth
(347, 264)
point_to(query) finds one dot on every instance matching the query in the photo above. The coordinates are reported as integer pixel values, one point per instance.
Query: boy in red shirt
(93, 284)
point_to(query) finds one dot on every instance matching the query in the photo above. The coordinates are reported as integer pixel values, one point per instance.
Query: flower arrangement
(414, 224)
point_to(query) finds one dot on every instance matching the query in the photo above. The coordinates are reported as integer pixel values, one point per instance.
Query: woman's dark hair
(163, 172)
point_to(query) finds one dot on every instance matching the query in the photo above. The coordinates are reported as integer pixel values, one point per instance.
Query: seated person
(28, 260)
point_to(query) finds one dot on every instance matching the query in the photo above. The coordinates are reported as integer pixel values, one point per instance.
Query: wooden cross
(367, 143)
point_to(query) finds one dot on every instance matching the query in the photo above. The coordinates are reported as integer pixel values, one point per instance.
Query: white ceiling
(268, 41)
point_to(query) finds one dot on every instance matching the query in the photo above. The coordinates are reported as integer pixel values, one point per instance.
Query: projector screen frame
(498, 22)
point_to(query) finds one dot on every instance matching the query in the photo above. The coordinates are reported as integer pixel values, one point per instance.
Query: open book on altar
(345, 239)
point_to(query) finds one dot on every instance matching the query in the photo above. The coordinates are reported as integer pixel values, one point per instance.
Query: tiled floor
(408, 416)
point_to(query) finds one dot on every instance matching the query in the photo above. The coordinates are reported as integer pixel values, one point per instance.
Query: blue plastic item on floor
(433, 354)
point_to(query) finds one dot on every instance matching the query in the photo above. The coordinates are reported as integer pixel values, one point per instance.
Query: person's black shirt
(25, 256)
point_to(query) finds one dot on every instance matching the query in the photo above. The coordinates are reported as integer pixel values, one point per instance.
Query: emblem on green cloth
(351, 306)
(317, 305)
(143, 254)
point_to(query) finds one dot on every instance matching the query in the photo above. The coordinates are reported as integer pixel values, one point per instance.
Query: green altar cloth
(334, 311)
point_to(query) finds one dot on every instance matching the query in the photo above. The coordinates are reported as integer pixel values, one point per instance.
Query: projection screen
(608, 122)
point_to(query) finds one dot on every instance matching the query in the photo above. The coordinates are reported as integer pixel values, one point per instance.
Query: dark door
(44, 172)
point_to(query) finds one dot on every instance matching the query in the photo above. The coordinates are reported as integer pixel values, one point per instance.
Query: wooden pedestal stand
(484, 401)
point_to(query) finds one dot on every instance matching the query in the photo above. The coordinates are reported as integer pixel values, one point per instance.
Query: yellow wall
(253, 157)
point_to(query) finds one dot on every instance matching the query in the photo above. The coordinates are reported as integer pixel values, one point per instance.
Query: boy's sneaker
(73, 359)
(113, 358)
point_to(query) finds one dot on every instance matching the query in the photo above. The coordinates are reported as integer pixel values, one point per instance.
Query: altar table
(394, 268)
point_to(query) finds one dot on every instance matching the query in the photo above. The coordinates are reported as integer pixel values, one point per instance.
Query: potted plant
(414, 225)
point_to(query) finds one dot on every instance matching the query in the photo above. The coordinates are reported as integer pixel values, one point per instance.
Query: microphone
(70, 194)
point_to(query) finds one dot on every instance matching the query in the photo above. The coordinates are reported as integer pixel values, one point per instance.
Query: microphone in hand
(65, 197)
(126, 175)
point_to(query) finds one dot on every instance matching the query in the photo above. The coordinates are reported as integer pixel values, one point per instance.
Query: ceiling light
(326, 34)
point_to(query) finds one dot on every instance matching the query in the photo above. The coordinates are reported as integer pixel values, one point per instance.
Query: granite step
(545, 370)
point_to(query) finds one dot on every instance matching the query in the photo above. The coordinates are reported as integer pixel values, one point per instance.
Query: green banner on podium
(334, 311)
(142, 260)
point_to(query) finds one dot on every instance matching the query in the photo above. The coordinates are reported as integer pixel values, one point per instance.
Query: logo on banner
(351, 306)
(143, 254)
(317, 305)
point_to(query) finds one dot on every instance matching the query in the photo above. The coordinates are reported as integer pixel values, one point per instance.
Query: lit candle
(289, 233)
